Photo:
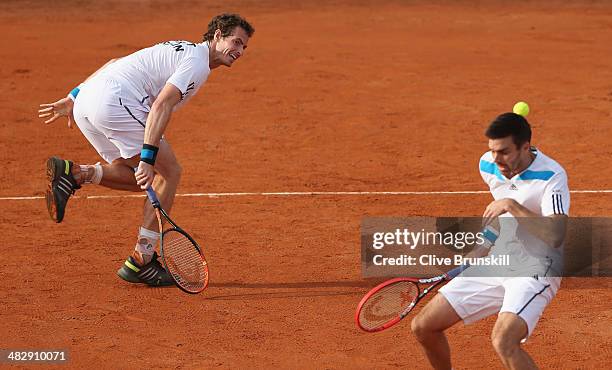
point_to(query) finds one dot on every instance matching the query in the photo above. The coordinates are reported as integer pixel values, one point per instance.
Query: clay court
(342, 96)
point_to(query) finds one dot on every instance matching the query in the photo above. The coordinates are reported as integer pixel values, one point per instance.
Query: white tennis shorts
(475, 298)
(111, 119)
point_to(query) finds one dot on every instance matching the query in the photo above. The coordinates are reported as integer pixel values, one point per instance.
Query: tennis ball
(521, 108)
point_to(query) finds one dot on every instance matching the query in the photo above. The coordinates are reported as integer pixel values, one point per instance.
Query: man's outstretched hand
(61, 108)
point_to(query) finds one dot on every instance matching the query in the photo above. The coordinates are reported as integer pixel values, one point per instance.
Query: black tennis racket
(182, 257)
(389, 302)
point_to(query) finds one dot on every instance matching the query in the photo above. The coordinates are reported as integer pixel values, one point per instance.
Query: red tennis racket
(182, 257)
(389, 302)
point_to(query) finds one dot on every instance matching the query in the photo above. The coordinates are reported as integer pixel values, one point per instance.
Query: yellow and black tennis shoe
(61, 186)
(153, 273)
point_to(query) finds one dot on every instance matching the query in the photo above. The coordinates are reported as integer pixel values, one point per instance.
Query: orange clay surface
(330, 96)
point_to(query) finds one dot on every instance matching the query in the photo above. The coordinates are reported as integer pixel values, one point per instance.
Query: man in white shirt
(532, 201)
(123, 110)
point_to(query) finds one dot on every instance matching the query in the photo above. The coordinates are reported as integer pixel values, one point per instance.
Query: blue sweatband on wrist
(148, 154)
(490, 235)
(73, 94)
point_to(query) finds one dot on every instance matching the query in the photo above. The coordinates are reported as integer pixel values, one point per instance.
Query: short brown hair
(226, 23)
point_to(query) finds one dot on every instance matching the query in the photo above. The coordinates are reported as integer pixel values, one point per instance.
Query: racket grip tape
(152, 197)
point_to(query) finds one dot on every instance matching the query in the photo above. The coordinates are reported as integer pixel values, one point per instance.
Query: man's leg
(168, 175)
(100, 112)
(428, 327)
(65, 177)
(506, 337)
(525, 300)
(142, 265)
(119, 175)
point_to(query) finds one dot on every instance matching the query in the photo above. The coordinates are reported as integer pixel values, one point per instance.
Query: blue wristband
(490, 235)
(73, 94)
(148, 154)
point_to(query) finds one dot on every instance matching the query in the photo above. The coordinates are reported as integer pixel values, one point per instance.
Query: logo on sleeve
(190, 87)
(557, 203)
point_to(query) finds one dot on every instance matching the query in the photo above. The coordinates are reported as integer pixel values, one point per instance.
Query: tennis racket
(182, 257)
(389, 302)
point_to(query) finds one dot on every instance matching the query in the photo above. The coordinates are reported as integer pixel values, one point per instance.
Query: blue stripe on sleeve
(489, 167)
(536, 175)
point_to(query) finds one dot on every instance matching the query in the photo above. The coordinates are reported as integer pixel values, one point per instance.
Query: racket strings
(184, 261)
(386, 304)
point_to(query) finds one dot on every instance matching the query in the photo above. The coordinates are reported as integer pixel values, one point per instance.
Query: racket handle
(152, 197)
(456, 271)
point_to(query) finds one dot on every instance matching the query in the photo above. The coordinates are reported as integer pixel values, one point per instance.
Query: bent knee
(420, 327)
(504, 345)
(507, 334)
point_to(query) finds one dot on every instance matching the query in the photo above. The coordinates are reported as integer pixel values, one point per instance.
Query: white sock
(147, 240)
(96, 177)
(98, 172)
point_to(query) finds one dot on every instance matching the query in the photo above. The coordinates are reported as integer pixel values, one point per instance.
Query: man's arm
(157, 121)
(550, 229)
(160, 114)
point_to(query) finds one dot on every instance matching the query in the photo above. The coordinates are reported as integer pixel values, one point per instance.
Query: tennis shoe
(152, 273)
(62, 185)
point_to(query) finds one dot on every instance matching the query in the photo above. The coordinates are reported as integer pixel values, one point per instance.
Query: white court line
(300, 193)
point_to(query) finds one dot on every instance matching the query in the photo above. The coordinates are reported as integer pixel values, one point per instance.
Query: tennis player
(123, 110)
(532, 201)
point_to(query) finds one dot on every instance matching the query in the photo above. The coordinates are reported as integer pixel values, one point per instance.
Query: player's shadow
(292, 290)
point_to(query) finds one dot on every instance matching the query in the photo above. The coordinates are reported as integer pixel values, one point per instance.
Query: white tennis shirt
(144, 74)
(541, 188)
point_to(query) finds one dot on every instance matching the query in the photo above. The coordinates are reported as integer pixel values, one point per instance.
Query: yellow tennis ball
(521, 108)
